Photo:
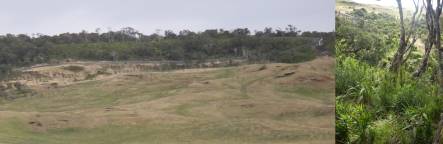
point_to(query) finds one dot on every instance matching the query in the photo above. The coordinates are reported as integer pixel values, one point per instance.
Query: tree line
(288, 45)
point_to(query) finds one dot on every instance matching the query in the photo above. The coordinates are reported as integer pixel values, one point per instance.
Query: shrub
(352, 121)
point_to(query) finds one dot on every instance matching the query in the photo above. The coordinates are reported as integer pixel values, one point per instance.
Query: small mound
(319, 72)
(74, 68)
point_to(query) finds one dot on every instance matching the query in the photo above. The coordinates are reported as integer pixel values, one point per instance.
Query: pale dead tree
(416, 16)
(433, 14)
(429, 41)
(406, 43)
(437, 38)
(436, 23)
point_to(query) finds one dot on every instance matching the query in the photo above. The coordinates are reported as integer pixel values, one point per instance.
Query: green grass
(185, 109)
(223, 132)
(245, 83)
(18, 132)
(95, 94)
(296, 115)
(225, 73)
(306, 92)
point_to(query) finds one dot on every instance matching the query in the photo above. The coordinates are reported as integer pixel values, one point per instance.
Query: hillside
(348, 5)
(95, 102)
(386, 93)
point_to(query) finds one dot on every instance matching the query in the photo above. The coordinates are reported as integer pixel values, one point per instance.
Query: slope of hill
(375, 102)
(260, 103)
(348, 5)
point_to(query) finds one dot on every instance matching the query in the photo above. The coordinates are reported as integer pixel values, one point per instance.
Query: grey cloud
(57, 16)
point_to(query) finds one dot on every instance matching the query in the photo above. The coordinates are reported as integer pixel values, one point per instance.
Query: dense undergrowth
(373, 104)
(376, 106)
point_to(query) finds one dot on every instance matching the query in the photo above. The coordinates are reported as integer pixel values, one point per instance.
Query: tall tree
(405, 38)
(430, 40)
(435, 14)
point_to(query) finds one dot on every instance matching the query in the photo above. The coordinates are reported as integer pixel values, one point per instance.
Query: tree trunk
(424, 64)
(398, 57)
(437, 134)
(429, 43)
(436, 15)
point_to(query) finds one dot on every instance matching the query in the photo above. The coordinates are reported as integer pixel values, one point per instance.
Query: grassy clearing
(185, 109)
(225, 73)
(245, 83)
(223, 132)
(306, 92)
(220, 106)
(95, 94)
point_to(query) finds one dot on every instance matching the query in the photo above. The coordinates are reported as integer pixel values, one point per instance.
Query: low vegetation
(375, 101)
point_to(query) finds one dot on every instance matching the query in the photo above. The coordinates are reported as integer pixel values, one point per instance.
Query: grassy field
(272, 103)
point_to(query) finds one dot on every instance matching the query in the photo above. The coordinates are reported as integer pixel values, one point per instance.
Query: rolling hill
(122, 103)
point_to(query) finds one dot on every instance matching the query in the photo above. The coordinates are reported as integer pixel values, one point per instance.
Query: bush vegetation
(373, 103)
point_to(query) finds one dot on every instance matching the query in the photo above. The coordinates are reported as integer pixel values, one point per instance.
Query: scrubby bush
(352, 122)
(406, 103)
(374, 104)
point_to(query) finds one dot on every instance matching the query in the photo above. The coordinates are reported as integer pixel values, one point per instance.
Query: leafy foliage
(374, 105)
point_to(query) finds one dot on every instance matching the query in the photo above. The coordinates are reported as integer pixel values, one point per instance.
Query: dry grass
(245, 104)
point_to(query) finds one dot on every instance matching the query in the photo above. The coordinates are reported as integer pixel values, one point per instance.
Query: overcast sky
(58, 16)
